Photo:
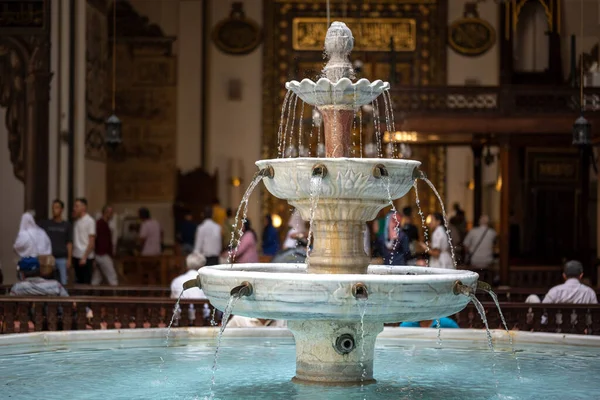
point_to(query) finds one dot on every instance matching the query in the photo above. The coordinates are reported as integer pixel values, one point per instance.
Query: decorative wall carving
(295, 30)
(143, 169)
(97, 93)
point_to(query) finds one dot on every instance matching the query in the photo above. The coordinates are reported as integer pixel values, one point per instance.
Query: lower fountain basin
(287, 291)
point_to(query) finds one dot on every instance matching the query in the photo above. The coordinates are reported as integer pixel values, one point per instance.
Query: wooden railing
(555, 318)
(506, 100)
(118, 291)
(31, 314)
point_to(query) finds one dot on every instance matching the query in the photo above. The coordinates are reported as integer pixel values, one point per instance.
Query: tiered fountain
(336, 304)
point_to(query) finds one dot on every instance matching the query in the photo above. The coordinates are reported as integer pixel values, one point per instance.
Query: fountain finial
(338, 45)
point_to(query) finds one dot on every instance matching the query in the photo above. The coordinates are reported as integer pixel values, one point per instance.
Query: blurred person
(445, 322)
(31, 244)
(296, 231)
(208, 240)
(228, 229)
(33, 284)
(395, 246)
(408, 226)
(459, 221)
(84, 241)
(479, 245)
(247, 252)
(219, 215)
(270, 238)
(439, 248)
(193, 263)
(186, 233)
(150, 236)
(60, 233)
(572, 291)
(104, 250)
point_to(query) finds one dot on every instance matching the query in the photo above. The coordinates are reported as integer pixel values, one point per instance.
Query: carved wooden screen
(294, 35)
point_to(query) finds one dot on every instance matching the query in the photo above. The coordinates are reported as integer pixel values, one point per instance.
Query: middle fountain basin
(287, 291)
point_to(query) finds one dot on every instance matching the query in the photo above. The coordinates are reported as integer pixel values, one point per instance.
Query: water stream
(362, 306)
(280, 132)
(290, 147)
(287, 123)
(510, 340)
(439, 332)
(446, 225)
(395, 216)
(226, 314)
(315, 191)
(300, 125)
(237, 226)
(423, 221)
(388, 124)
(176, 312)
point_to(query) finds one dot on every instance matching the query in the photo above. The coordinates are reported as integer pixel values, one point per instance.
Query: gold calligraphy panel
(23, 14)
(370, 34)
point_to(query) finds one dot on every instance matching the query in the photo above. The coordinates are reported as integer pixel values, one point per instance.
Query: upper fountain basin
(343, 94)
(287, 291)
(345, 178)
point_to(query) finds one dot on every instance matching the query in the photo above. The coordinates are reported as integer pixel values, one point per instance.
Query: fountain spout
(192, 283)
(460, 288)
(359, 291)
(245, 289)
(267, 172)
(486, 287)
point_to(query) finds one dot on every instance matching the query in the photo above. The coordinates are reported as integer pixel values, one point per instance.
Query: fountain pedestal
(334, 352)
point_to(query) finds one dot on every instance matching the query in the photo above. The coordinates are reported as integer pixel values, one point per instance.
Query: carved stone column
(36, 135)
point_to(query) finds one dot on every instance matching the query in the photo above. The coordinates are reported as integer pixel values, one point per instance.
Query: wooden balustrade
(118, 291)
(553, 318)
(31, 314)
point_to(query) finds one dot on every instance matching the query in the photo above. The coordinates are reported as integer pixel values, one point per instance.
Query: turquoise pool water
(261, 368)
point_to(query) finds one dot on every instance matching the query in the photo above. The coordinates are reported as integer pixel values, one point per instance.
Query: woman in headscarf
(31, 244)
(247, 251)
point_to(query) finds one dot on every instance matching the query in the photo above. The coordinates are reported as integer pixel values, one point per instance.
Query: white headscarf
(32, 241)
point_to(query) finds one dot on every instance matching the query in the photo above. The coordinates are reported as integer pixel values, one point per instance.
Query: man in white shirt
(479, 244)
(84, 237)
(208, 239)
(572, 291)
(439, 248)
(193, 262)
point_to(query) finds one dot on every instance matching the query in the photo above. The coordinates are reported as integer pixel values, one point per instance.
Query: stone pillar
(478, 179)
(337, 127)
(505, 214)
(334, 352)
(36, 135)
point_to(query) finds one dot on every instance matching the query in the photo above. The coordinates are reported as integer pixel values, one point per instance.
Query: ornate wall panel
(97, 84)
(144, 168)
(294, 35)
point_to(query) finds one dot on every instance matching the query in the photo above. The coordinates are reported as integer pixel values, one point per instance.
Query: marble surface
(343, 94)
(286, 291)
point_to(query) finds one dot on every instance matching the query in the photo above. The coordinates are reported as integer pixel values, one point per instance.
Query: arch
(531, 46)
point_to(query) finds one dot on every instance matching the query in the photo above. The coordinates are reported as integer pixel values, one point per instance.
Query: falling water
(394, 213)
(360, 132)
(377, 119)
(176, 312)
(354, 125)
(389, 96)
(226, 314)
(292, 128)
(280, 132)
(510, 340)
(300, 124)
(423, 222)
(287, 123)
(362, 306)
(243, 208)
(445, 219)
(481, 312)
(439, 332)
(315, 191)
(388, 125)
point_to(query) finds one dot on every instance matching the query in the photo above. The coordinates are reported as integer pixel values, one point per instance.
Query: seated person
(193, 263)
(445, 322)
(237, 321)
(572, 291)
(33, 284)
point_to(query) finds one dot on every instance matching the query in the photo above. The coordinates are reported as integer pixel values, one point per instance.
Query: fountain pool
(257, 363)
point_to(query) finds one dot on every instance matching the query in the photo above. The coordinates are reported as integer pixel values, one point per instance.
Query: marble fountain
(336, 303)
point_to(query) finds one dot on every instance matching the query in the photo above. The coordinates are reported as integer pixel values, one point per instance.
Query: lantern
(582, 132)
(112, 138)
